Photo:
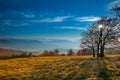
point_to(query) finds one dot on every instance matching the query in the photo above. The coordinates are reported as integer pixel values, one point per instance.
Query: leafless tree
(87, 40)
(101, 34)
(56, 51)
(70, 52)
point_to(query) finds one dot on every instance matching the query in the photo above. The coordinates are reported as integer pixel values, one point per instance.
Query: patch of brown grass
(61, 68)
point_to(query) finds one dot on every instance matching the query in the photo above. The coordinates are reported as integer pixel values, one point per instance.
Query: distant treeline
(55, 52)
(70, 52)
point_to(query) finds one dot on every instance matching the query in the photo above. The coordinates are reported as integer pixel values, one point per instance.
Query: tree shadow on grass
(103, 73)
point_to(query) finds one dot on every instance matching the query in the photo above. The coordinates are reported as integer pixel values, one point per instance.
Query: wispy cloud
(87, 19)
(71, 27)
(55, 19)
(14, 23)
(28, 15)
(21, 14)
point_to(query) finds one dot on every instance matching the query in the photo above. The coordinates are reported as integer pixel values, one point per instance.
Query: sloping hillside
(9, 52)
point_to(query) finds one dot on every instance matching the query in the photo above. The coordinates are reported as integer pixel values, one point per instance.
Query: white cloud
(87, 19)
(21, 14)
(15, 24)
(71, 27)
(55, 19)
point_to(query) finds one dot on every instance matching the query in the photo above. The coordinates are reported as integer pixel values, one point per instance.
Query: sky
(48, 24)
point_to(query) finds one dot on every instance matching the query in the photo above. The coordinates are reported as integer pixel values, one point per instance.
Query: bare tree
(101, 34)
(108, 32)
(56, 51)
(88, 40)
(70, 52)
(30, 54)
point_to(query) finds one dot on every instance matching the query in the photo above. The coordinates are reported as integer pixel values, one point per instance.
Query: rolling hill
(9, 52)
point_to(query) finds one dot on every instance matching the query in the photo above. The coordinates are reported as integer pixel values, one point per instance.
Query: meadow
(61, 68)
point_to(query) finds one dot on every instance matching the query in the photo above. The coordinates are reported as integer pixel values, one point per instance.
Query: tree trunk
(98, 51)
(102, 51)
(93, 52)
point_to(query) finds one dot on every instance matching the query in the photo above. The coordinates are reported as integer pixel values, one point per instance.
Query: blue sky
(48, 20)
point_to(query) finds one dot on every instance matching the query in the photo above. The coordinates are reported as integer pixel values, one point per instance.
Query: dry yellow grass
(61, 68)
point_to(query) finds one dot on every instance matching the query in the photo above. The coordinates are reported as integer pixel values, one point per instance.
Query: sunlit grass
(61, 68)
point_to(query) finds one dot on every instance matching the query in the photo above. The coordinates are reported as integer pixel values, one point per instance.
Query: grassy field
(61, 68)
